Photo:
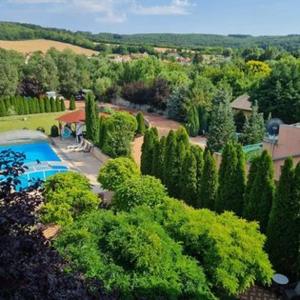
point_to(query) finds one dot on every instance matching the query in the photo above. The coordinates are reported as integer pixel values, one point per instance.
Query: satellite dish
(273, 126)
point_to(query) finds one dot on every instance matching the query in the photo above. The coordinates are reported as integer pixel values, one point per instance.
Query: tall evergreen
(222, 128)
(72, 104)
(260, 190)
(254, 128)
(188, 179)
(150, 140)
(37, 105)
(198, 153)
(282, 231)
(141, 123)
(170, 160)
(42, 105)
(193, 123)
(209, 183)
(62, 105)
(158, 158)
(2, 109)
(53, 105)
(182, 136)
(47, 105)
(231, 180)
(26, 107)
(92, 119)
(57, 103)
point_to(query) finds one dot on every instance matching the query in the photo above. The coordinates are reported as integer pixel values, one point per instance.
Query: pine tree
(209, 183)
(62, 105)
(260, 190)
(198, 153)
(188, 179)
(141, 123)
(92, 119)
(53, 105)
(193, 123)
(57, 104)
(42, 105)
(170, 160)
(72, 105)
(47, 105)
(282, 231)
(254, 128)
(231, 180)
(158, 158)
(150, 139)
(222, 128)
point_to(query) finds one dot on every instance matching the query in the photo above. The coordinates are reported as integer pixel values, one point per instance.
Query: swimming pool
(41, 161)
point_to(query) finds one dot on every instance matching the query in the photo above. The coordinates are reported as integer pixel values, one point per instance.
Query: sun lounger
(72, 147)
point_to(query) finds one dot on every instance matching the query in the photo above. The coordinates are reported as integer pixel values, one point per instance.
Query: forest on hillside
(19, 31)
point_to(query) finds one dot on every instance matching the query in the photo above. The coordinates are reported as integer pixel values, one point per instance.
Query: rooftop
(242, 103)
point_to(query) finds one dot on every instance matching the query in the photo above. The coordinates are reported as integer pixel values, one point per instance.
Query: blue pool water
(37, 157)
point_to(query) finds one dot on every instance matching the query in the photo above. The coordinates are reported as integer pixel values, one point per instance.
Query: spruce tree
(231, 180)
(47, 105)
(92, 119)
(260, 190)
(282, 231)
(62, 105)
(53, 105)
(170, 160)
(209, 183)
(254, 128)
(72, 105)
(141, 123)
(188, 179)
(222, 128)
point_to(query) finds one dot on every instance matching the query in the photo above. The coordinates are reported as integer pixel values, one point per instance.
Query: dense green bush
(144, 190)
(116, 171)
(67, 195)
(141, 123)
(133, 255)
(120, 130)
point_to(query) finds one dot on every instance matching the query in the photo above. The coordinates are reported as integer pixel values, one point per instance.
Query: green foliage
(254, 128)
(92, 119)
(231, 180)
(54, 131)
(62, 105)
(158, 159)
(260, 189)
(118, 133)
(178, 105)
(140, 123)
(133, 255)
(116, 171)
(193, 123)
(209, 182)
(47, 105)
(222, 128)
(72, 104)
(283, 226)
(67, 196)
(144, 190)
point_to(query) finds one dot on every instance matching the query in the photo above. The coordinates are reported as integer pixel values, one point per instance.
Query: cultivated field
(29, 46)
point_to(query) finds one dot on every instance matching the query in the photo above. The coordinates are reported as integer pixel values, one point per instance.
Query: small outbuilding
(242, 104)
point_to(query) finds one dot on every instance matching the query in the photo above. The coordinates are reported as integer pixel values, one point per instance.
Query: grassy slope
(29, 122)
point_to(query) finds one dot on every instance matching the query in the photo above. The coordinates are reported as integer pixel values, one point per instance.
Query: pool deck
(86, 163)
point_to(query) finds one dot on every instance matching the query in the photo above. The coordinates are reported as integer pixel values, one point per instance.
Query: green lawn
(45, 120)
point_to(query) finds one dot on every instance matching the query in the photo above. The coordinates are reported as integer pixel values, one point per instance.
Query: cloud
(176, 7)
(36, 1)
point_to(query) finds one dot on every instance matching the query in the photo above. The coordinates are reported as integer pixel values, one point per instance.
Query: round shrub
(145, 190)
(116, 171)
(54, 131)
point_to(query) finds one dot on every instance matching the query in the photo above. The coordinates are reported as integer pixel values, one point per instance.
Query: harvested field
(29, 46)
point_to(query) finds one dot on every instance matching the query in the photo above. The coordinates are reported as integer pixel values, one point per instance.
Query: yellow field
(27, 47)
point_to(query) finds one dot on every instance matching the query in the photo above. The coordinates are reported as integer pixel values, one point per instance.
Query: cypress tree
(182, 136)
(260, 190)
(21, 106)
(193, 124)
(209, 183)
(141, 123)
(42, 105)
(26, 107)
(72, 105)
(53, 105)
(57, 103)
(158, 158)
(231, 180)
(222, 128)
(150, 139)
(170, 160)
(188, 179)
(62, 105)
(92, 119)
(31, 106)
(47, 105)
(198, 153)
(36, 105)
(102, 132)
(2, 108)
(282, 231)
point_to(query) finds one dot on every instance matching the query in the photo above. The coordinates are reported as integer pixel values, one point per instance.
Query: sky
(256, 17)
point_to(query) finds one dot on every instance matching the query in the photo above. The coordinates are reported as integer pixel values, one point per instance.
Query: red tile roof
(72, 117)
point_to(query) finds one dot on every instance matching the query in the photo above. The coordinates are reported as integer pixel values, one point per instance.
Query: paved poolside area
(85, 163)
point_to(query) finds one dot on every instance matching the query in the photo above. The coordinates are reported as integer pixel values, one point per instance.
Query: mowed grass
(30, 46)
(29, 122)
